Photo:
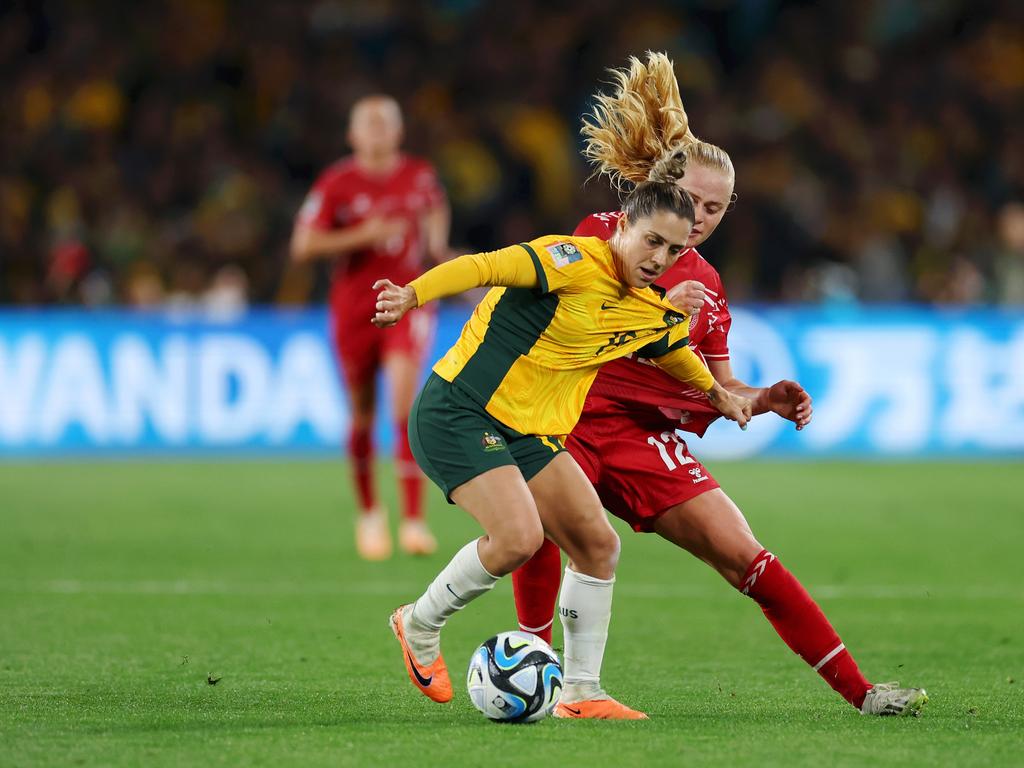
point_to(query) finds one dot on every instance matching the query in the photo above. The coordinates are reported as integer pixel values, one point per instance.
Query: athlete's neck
(614, 244)
(378, 164)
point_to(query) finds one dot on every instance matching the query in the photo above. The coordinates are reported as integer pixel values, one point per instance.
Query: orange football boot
(373, 539)
(597, 709)
(432, 680)
(415, 538)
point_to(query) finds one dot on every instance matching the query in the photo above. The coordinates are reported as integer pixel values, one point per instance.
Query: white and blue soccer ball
(515, 677)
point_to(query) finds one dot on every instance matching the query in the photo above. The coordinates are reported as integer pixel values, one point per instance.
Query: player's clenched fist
(393, 302)
(688, 296)
(734, 407)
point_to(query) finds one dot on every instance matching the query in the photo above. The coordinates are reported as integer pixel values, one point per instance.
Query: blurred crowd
(156, 153)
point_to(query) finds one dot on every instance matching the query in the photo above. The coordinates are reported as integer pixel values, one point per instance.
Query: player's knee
(360, 421)
(362, 408)
(609, 548)
(520, 543)
(599, 552)
(527, 546)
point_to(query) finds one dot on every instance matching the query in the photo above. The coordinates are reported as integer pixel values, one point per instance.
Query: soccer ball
(515, 677)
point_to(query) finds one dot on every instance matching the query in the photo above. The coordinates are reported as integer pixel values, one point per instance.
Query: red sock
(409, 475)
(802, 626)
(360, 453)
(535, 585)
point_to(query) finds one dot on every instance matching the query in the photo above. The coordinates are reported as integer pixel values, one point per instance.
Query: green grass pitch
(126, 589)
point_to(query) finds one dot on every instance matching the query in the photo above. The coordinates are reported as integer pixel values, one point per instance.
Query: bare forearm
(757, 395)
(732, 406)
(437, 226)
(310, 244)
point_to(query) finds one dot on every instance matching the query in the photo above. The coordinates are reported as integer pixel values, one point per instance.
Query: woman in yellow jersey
(488, 425)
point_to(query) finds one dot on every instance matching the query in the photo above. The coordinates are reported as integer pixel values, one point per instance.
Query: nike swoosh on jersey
(424, 681)
(606, 305)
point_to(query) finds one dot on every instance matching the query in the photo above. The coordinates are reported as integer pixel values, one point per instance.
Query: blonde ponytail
(636, 127)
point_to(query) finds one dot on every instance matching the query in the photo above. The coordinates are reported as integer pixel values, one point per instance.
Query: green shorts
(454, 439)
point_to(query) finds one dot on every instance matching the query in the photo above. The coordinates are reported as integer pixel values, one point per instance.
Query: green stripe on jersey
(661, 347)
(518, 319)
(542, 278)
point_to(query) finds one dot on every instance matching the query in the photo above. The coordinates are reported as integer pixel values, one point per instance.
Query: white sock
(585, 605)
(460, 582)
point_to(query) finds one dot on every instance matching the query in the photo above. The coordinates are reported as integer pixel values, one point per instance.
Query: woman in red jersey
(628, 438)
(377, 212)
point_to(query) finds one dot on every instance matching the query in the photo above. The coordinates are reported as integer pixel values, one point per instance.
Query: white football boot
(889, 700)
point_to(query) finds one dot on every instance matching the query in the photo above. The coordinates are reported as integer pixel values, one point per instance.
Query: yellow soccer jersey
(529, 355)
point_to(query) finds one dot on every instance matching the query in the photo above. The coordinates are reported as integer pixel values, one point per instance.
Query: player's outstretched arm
(511, 267)
(684, 364)
(785, 398)
(309, 243)
(436, 227)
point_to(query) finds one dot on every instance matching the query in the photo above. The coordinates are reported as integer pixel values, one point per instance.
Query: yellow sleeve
(513, 267)
(683, 363)
(560, 263)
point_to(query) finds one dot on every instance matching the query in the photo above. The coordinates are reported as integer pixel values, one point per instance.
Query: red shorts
(362, 347)
(640, 467)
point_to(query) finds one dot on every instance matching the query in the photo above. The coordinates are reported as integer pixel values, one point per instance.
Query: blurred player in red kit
(378, 211)
(628, 439)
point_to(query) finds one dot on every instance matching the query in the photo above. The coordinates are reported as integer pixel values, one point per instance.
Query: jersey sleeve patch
(563, 254)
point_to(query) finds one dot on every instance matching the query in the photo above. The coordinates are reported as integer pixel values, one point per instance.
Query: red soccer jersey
(345, 195)
(633, 385)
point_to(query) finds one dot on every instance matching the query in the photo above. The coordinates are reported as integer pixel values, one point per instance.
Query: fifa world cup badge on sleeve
(564, 254)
